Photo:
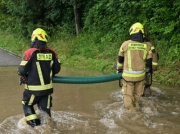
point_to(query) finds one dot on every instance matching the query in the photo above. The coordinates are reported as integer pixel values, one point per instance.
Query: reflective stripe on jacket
(39, 66)
(135, 55)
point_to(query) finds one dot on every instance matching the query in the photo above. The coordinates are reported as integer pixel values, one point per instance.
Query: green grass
(90, 52)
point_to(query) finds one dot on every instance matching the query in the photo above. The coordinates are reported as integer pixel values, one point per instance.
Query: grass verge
(88, 52)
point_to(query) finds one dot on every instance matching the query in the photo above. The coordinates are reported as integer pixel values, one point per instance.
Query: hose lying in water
(86, 79)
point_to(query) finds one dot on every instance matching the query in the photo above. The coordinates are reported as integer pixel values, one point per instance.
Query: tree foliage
(105, 20)
(104, 26)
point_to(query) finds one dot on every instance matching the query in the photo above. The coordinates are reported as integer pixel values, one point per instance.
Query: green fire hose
(86, 79)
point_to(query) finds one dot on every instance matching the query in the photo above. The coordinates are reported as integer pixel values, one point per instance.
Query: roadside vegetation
(101, 27)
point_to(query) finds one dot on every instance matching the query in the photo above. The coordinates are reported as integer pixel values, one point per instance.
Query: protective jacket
(134, 55)
(39, 65)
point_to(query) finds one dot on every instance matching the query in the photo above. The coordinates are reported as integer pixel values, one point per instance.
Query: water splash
(151, 114)
(60, 121)
(159, 113)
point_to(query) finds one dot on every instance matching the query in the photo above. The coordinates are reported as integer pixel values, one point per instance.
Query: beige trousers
(132, 92)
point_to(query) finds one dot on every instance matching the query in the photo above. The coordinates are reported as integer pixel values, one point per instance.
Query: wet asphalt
(8, 58)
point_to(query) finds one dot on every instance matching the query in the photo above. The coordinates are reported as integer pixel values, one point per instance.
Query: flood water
(89, 108)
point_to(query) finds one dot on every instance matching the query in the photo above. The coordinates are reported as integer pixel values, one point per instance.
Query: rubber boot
(28, 111)
(34, 123)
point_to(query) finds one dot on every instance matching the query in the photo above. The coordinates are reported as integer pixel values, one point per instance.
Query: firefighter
(132, 58)
(39, 64)
(155, 58)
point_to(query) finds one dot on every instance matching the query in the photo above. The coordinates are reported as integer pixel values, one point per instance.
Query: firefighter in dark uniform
(39, 64)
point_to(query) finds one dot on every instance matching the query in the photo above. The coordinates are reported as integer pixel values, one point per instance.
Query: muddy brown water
(89, 108)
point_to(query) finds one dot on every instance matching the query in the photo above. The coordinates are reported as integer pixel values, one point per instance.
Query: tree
(77, 17)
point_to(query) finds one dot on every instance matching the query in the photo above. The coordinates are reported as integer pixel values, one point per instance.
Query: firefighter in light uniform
(132, 58)
(155, 58)
(39, 64)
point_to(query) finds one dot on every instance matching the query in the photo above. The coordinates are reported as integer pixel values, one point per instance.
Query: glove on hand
(22, 80)
(119, 71)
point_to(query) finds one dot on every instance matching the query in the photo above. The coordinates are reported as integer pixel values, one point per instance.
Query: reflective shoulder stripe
(23, 63)
(152, 48)
(23, 102)
(121, 50)
(59, 61)
(39, 87)
(31, 117)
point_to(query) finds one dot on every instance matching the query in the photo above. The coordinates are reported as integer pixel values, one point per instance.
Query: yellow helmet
(39, 34)
(136, 27)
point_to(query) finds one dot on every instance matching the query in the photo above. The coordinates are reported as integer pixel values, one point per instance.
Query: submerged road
(8, 59)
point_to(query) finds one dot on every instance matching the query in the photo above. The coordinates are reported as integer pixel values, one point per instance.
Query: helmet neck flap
(38, 44)
(137, 37)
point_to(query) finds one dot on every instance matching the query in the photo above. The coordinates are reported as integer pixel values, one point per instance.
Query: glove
(119, 71)
(22, 80)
